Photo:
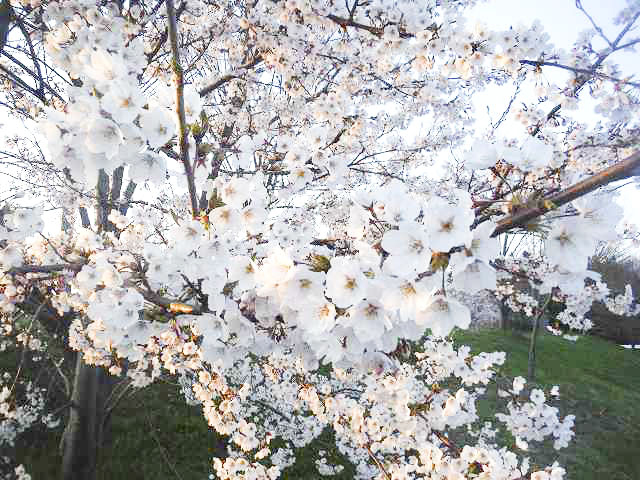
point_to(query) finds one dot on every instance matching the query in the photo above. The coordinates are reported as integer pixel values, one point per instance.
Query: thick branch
(12, 77)
(624, 169)
(39, 93)
(102, 206)
(183, 141)
(163, 36)
(84, 217)
(169, 304)
(128, 195)
(59, 267)
(378, 31)
(116, 186)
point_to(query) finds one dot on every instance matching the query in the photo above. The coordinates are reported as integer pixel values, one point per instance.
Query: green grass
(154, 434)
(599, 383)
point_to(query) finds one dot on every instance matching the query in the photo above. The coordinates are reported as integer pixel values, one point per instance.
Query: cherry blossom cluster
(17, 415)
(542, 419)
(623, 304)
(306, 281)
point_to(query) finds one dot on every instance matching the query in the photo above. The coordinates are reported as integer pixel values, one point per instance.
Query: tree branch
(601, 58)
(626, 168)
(59, 267)
(230, 76)
(586, 71)
(183, 141)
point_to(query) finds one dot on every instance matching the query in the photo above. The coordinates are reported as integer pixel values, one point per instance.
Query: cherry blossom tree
(307, 185)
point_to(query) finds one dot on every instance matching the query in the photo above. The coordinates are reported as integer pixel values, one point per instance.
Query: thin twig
(229, 76)
(65, 379)
(378, 463)
(593, 23)
(585, 71)
(601, 58)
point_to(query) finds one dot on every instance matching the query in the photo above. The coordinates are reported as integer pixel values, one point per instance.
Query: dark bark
(507, 321)
(79, 440)
(92, 386)
(531, 362)
(84, 217)
(128, 194)
(102, 207)
(537, 325)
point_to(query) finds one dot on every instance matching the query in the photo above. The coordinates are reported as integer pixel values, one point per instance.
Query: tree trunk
(531, 364)
(80, 438)
(506, 316)
(537, 325)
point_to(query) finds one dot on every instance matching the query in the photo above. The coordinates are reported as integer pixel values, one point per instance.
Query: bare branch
(595, 25)
(581, 82)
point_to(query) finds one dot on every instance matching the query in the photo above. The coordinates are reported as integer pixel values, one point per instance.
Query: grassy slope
(599, 383)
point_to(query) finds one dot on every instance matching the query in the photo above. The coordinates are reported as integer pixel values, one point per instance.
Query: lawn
(599, 383)
(155, 435)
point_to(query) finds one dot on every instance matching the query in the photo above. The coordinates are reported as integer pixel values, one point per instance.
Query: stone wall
(485, 309)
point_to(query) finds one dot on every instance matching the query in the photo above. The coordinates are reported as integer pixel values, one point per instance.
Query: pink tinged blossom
(148, 166)
(105, 67)
(369, 320)
(395, 205)
(318, 316)
(303, 286)
(482, 245)
(10, 256)
(253, 217)
(213, 286)
(300, 176)
(235, 192)
(275, 272)
(402, 296)
(124, 101)
(568, 247)
(447, 225)
(534, 154)
(192, 104)
(601, 216)
(242, 270)
(225, 219)
(474, 277)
